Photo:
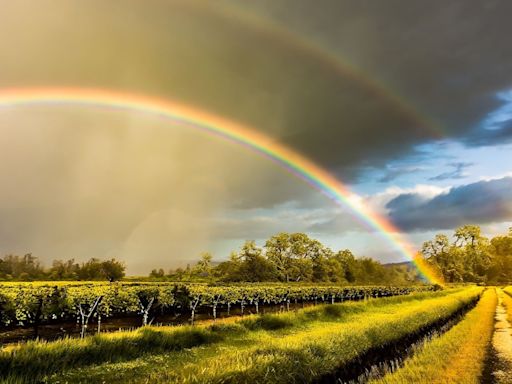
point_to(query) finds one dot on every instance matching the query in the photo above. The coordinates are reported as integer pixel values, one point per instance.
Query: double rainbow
(287, 158)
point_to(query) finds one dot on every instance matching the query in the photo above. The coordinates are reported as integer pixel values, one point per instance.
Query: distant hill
(408, 264)
(408, 268)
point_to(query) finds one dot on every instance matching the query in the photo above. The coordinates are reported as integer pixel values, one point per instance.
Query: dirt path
(502, 344)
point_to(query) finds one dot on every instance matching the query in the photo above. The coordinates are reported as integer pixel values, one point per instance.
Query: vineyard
(375, 335)
(316, 344)
(33, 304)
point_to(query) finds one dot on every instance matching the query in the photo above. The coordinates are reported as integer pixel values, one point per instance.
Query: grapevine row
(38, 303)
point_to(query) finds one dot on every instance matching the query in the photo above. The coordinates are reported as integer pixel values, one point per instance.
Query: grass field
(457, 356)
(314, 345)
(289, 348)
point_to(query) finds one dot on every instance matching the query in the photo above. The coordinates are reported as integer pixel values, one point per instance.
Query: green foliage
(28, 268)
(25, 267)
(35, 303)
(471, 257)
(293, 257)
(112, 269)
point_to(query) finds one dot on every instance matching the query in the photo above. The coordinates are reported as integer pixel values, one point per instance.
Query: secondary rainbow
(287, 158)
(335, 63)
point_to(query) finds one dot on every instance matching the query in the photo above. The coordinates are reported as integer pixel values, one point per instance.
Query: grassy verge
(507, 302)
(458, 356)
(289, 348)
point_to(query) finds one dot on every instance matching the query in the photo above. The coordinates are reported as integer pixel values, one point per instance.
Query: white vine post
(256, 300)
(242, 305)
(145, 311)
(193, 306)
(85, 316)
(216, 299)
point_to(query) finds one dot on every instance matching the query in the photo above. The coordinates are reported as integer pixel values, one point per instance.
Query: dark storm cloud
(487, 137)
(479, 203)
(457, 173)
(445, 60)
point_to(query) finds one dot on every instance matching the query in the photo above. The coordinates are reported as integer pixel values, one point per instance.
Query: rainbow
(330, 61)
(287, 158)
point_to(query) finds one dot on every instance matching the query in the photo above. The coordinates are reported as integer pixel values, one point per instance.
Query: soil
(499, 363)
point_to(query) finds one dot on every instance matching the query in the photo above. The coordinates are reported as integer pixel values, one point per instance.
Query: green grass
(458, 356)
(288, 348)
(40, 357)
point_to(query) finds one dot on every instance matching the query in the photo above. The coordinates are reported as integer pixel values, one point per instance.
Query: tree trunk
(193, 308)
(37, 318)
(84, 318)
(257, 309)
(84, 327)
(36, 329)
(145, 312)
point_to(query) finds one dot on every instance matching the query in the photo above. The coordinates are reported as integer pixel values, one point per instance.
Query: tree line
(468, 256)
(290, 257)
(471, 257)
(28, 267)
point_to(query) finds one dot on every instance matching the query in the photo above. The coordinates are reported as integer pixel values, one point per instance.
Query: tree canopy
(470, 256)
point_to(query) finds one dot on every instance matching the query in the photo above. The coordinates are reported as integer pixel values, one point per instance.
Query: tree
(278, 252)
(203, 266)
(21, 267)
(501, 252)
(94, 269)
(292, 255)
(113, 270)
(179, 274)
(467, 235)
(157, 273)
(229, 270)
(64, 270)
(90, 270)
(471, 257)
(347, 261)
(253, 266)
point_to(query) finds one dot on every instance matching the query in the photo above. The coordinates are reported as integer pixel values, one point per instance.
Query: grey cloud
(76, 185)
(222, 62)
(392, 173)
(445, 60)
(477, 203)
(489, 137)
(258, 224)
(457, 173)
(236, 67)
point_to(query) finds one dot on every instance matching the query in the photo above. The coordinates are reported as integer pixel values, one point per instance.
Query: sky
(408, 103)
